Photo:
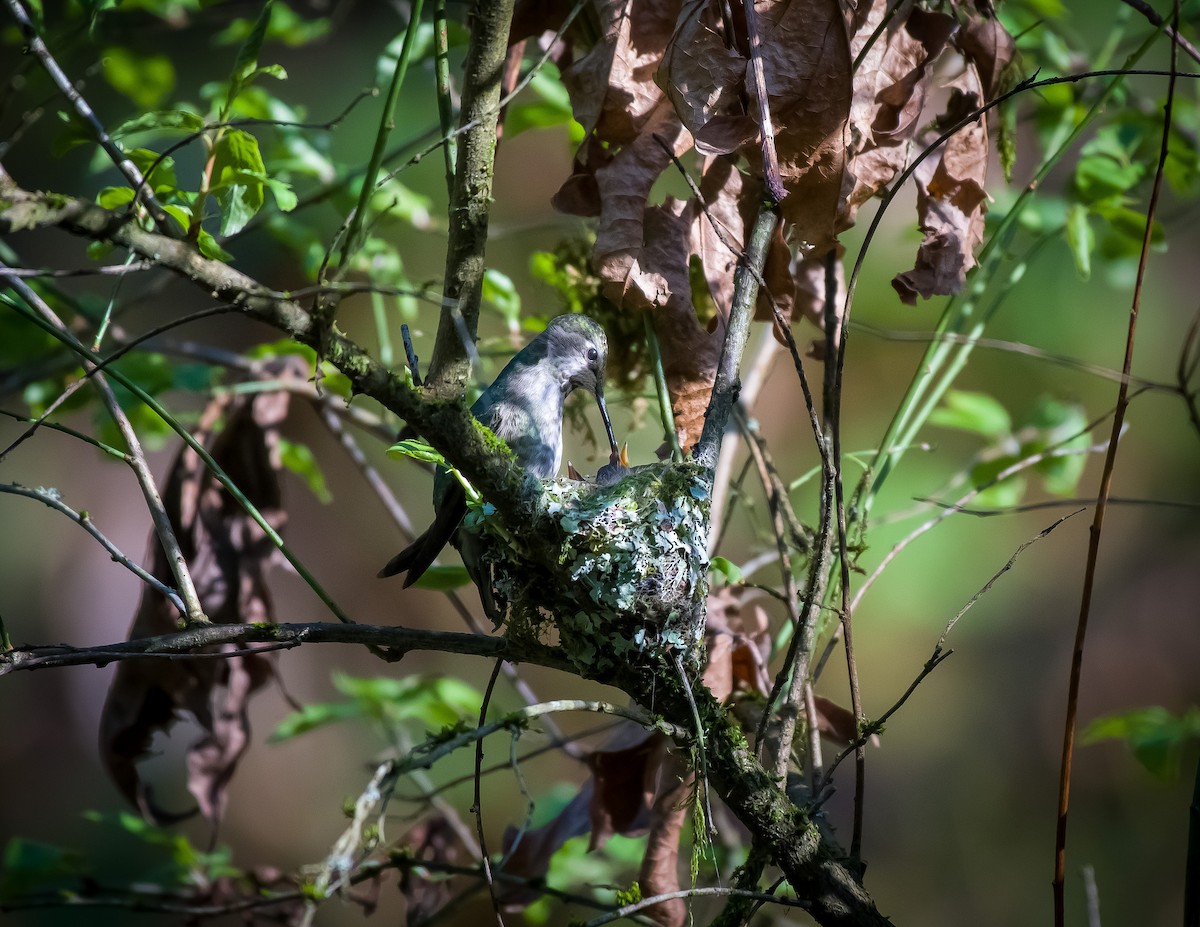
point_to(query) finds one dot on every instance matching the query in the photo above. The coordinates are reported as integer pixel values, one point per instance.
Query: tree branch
(182, 644)
(471, 197)
(447, 425)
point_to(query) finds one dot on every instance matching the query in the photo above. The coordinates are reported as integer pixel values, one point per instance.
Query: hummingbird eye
(592, 355)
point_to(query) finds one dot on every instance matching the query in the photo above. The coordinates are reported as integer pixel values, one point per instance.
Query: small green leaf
(441, 578)
(210, 248)
(114, 197)
(417, 450)
(300, 459)
(238, 170)
(978, 413)
(32, 866)
(729, 571)
(1155, 736)
(247, 59)
(163, 120)
(311, 717)
(501, 292)
(1081, 239)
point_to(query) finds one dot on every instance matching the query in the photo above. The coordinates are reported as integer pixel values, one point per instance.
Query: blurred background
(960, 793)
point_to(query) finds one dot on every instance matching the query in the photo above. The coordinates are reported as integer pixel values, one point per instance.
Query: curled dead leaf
(951, 200)
(228, 554)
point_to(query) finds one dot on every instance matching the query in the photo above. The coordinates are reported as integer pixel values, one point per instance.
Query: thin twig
(53, 499)
(477, 805)
(177, 563)
(752, 383)
(161, 220)
(774, 182)
(940, 653)
(835, 347)
(183, 645)
(1106, 476)
(1155, 19)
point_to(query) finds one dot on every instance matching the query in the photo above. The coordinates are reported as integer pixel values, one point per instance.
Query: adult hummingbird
(524, 406)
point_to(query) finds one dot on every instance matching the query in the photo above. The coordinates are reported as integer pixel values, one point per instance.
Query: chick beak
(608, 429)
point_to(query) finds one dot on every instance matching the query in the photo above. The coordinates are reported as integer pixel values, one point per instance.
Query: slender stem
(445, 93)
(665, 412)
(477, 806)
(355, 233)
(1106, 476)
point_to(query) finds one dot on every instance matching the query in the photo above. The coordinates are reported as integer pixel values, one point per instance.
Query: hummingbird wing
(450, 505)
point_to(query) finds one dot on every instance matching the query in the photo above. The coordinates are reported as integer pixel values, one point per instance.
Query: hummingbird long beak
(608, 429)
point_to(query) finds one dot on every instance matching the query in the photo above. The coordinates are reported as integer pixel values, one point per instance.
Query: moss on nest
(631, 573)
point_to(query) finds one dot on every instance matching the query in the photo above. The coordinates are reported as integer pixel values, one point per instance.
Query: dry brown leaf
(986, 44)
(659, 872)
(228, 555)
(951, 201)
(430, 841)
(738, 638)
(528, 853)
(889, 96)
(806, 63)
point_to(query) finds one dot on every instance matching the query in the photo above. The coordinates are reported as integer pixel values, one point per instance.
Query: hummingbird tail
(420, 554)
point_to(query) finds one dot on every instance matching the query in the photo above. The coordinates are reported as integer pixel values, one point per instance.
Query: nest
(630, 576)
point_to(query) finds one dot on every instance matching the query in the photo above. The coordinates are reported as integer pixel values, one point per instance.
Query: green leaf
(1155, 736)
(147, 80)
(162, 120)
(114, 197)
(286, 26)
(300, 459)
(1081, 238)
(247, 59)
(417, 450)
(441, 578)
(238, 171)
(727, 570)
(978, 413)
(311, 717)
(1057, 424)
(501, 292)
(210, 248)
(32, 866)
(434, 701)
(158, 170)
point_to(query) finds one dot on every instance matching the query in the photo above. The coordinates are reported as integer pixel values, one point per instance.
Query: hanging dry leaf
(889, 96)
(806, 65)
(951, 201)
(228, 555)
(738, 638)
(430, 841)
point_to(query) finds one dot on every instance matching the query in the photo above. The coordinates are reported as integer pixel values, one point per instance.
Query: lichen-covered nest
(631, 573)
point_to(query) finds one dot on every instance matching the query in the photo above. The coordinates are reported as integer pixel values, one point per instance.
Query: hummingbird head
(578, 350)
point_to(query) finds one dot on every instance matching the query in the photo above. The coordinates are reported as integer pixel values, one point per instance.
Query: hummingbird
(524, 407)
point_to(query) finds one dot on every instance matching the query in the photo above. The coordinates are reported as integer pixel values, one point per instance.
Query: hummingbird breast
(527, 413)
